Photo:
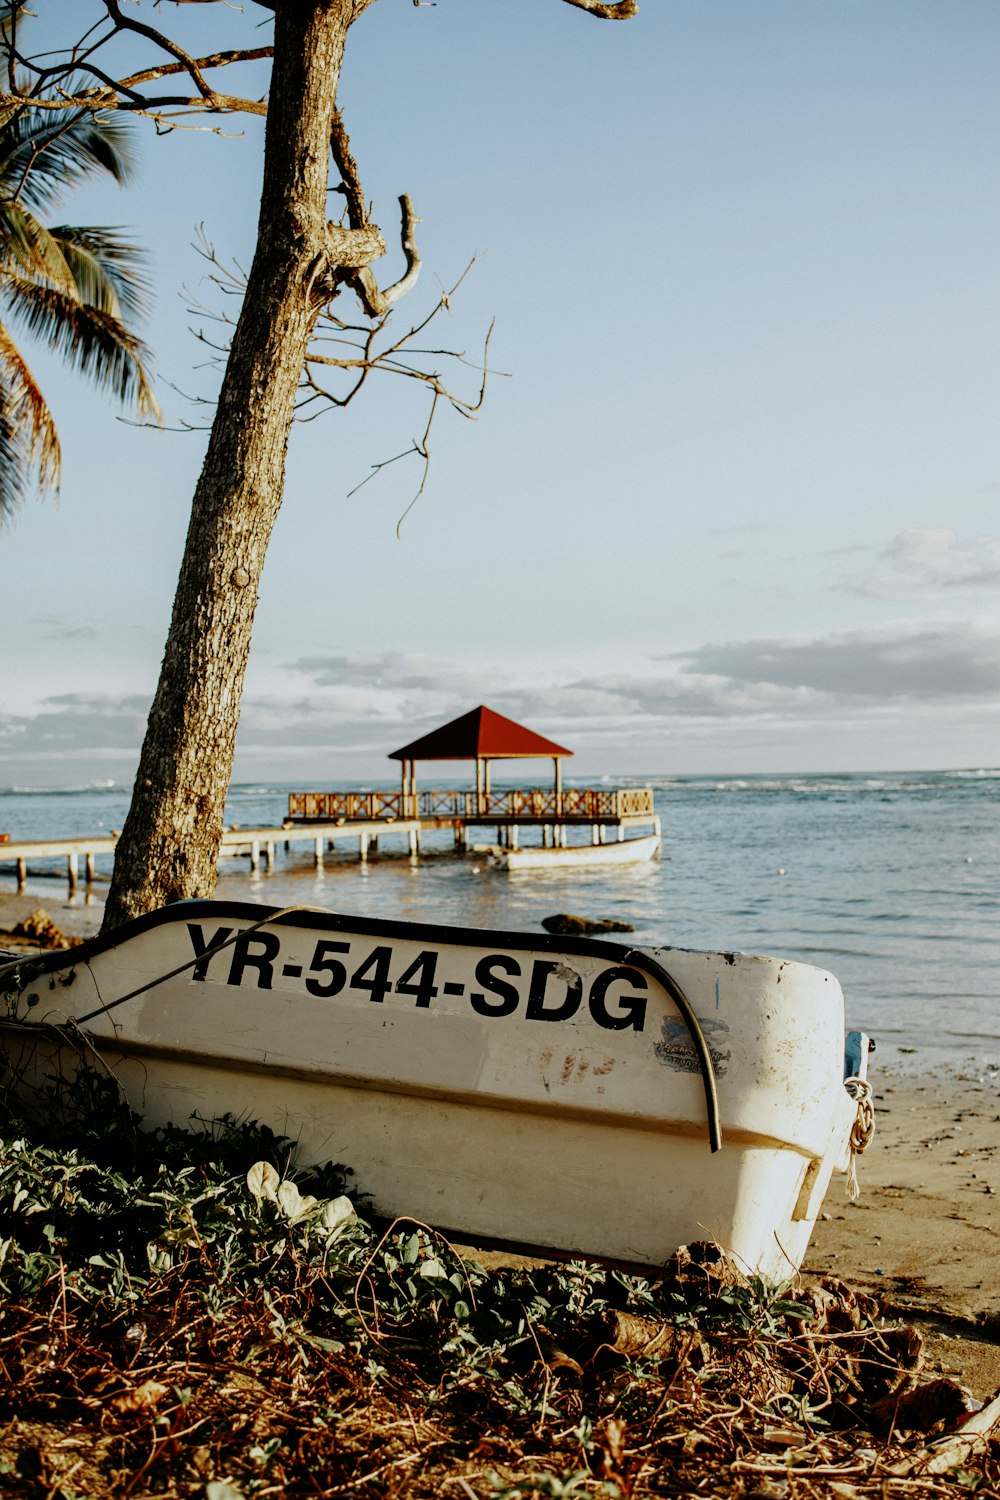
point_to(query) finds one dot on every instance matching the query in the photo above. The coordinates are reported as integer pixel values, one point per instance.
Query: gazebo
(481, 735)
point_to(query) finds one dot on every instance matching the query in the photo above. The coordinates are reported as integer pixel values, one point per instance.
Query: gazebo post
(479, 787)
(559, 833)
(486, 796)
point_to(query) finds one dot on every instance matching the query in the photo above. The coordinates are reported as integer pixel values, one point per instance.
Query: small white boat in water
(555, 856)
(569, 1094)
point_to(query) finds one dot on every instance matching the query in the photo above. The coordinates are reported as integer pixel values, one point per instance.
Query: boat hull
(539, 1091)
(619, 852)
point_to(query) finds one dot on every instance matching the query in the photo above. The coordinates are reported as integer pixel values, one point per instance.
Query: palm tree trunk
(169, 846)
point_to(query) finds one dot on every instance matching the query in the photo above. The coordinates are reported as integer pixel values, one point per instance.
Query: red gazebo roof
(480, 734)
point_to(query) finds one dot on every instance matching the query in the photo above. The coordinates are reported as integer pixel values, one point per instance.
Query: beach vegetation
(191, 1312)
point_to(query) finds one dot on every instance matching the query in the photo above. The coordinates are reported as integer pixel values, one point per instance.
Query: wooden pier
(256, 844)
(324, 820)
(19, 851)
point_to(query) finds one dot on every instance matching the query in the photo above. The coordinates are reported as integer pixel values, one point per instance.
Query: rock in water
(566, 925)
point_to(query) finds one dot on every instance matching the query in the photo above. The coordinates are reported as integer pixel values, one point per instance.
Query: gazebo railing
(469, 806)
(347, 807)
(634, 801)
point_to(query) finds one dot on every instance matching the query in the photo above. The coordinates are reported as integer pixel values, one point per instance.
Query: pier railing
(522, 803)
(347, 807)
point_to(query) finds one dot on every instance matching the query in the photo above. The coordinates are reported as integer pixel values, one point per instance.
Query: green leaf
(411, 1250)
(263, 1182)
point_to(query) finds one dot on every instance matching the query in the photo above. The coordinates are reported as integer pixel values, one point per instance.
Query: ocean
(890, 881)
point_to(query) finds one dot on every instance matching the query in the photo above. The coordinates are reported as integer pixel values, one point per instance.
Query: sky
(732, 503)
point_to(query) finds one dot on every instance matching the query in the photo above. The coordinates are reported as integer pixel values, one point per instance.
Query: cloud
(395, 687)
(73, 737)
(932, 560)
(562, 709)
(59, 629)
(81, 721)
(393, 671)
(782, 678)
(919, 661)
(921, 544)
(360, 708)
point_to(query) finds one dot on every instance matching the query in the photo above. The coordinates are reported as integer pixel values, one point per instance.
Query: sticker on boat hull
(676, 1050)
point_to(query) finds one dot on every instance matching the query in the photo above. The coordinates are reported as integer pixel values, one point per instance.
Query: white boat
(554, 856)
(561, 1093)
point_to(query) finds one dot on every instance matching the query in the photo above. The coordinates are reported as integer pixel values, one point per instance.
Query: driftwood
(958, 1449)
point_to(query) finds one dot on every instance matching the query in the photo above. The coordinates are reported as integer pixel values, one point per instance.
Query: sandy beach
(924, 1236)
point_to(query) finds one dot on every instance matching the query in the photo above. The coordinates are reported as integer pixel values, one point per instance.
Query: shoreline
(924, 1236)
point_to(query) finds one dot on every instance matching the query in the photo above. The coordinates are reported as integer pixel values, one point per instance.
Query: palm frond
(108, 270)
(42, 157)
(77, 288)
(89, 339)
(29, 249)
(29, 443)
(13, 470)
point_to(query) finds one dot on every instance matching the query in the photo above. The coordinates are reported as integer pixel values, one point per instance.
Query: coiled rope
(861, 1131)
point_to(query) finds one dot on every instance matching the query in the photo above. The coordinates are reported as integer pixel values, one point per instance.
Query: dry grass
(180, 1320)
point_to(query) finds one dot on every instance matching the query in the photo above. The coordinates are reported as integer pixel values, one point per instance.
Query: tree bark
(169, 847)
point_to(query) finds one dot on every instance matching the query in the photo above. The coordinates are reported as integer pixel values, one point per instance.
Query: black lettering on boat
(373, 975)
(269, 945)
(629, 1010)
(542, 970)
(205, 947)
(419, 979)
(322, 963)
(508, 998)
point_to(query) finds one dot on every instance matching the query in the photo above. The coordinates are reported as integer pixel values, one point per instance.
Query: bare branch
(105, 98)
(216, 60)
(187, 63)
(62, 85)
(408, 241)
(375, 302)
(350, 178)
(421, 446)
(623, 11)
(423, 449)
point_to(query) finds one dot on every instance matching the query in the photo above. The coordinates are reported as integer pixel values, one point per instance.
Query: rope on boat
(286, 911)
(861, 1131)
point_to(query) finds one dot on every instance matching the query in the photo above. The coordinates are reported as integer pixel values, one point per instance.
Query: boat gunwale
(311, 916)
